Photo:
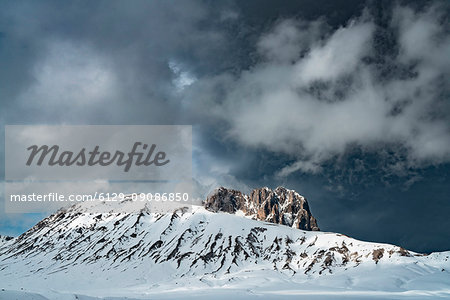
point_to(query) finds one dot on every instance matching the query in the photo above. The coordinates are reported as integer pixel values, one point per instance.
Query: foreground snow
(298, 292)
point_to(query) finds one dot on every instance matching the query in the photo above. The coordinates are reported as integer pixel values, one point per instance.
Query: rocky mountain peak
(279, 206)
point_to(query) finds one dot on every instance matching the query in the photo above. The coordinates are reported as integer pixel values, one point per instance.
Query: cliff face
(280, 206)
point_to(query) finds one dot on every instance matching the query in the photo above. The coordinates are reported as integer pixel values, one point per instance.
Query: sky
(347, 102)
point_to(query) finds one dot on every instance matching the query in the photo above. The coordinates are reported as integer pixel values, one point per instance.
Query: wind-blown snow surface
(203, 255)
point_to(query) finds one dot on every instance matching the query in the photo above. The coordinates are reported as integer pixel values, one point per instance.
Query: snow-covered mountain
(127, 250)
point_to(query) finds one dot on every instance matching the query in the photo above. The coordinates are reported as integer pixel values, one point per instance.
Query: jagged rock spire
(280, 206)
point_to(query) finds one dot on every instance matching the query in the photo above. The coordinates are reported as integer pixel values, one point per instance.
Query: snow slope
(139, 254)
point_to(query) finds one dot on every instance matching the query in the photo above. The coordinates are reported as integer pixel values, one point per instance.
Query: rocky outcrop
(226, 200)
(5, 239)
(279, 206)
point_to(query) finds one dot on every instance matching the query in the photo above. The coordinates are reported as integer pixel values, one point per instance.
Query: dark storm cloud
(102, 59)
(346, 101)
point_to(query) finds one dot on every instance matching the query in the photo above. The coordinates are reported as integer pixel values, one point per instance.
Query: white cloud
(289, 39)
(317, 101)
(340, 55)
(305, 166)
(70, 75)
(182, 77)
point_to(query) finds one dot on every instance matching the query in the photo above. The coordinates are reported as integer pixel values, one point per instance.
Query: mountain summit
(279, 206)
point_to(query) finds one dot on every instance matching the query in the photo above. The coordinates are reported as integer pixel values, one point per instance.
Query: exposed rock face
(5, 239)
(280, 206)
(226, 200)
